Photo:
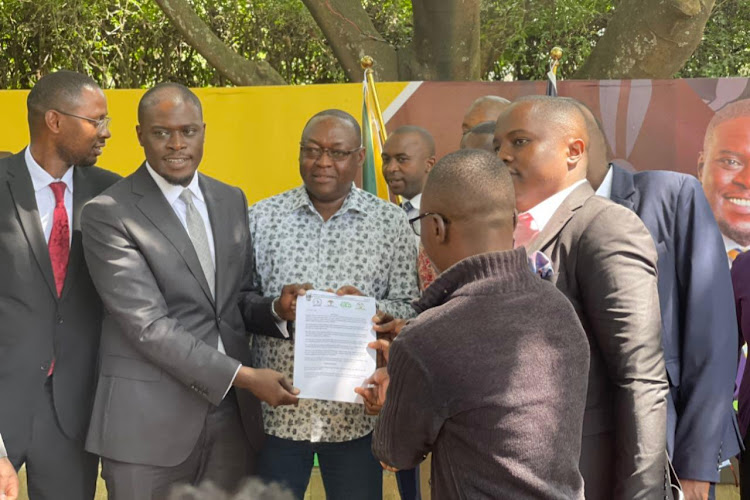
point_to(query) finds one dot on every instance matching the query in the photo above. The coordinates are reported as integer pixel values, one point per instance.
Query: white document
(331, 356)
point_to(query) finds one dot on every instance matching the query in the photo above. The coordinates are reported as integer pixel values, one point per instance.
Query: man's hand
(386, 326)
(348, 290)
(267, 385)
(374, 395)
(285, 306)
(388, 467)
(8, 480)
(695, 490)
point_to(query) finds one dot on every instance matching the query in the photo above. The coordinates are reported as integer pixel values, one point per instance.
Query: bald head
(167, 91)
(341, 116)
(480, 137)
(473, 190)
(599, 151)
(484, 109)
(422, 134)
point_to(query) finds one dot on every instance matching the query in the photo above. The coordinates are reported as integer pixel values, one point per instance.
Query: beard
(738, 232)
(74, 158)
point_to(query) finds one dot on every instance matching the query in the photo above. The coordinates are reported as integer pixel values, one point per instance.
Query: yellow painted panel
(252, 133)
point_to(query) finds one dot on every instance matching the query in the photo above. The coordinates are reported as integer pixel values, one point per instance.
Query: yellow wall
(252, 133)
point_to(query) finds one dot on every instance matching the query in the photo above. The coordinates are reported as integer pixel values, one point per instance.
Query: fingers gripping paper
(331, 356)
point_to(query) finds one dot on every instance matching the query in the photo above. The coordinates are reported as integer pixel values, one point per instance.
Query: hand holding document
(331, 356)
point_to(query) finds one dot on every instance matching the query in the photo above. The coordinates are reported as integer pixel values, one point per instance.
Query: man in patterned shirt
(334, 236)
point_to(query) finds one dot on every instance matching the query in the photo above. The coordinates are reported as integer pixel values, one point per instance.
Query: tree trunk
(351, 34)
(233, 66)
(446, 41)
(648, 39)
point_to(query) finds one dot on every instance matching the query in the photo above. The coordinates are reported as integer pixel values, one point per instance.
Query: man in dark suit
(699, 330)
(50, 314)
(170, 253)
(604, 261)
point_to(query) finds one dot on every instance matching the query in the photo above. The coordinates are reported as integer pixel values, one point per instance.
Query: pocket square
(541, 265)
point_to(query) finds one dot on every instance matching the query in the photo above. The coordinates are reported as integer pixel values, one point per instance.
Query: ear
(361, 156)
(430, 163)
(52, 120)
(576, 152)
(515, 219)
(441, 232)
(138, 132)
(701, 163)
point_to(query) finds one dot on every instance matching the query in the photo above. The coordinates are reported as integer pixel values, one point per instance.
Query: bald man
(177, 398)
(496, 428)
(605, 263)
(480, 137)
(484, 109)
(699, 328)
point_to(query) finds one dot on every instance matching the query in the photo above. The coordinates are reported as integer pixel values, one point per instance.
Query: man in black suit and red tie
(50, 311)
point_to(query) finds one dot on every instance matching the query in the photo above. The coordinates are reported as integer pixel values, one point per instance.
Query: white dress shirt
(605, 189)
(544, 211)
(45, 197)
(414, 211)
(172, 193)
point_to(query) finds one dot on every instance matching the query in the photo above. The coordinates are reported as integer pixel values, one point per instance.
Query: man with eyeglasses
(51, 313)
(332, 235)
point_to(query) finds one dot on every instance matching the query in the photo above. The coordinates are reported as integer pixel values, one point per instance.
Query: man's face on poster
(724, 171)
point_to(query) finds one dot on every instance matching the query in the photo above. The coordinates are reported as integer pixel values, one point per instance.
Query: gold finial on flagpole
(366, 62)
(555, 55)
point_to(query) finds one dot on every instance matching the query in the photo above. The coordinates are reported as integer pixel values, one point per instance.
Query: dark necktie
(59, 244)
(407, 206)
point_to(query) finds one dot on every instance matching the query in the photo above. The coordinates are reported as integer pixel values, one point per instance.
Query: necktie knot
(58, 189)
(187, 196)
(733, 253)
(407, 206)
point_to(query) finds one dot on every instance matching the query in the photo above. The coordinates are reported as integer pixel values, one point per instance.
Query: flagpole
(367, 63)
(555, 54)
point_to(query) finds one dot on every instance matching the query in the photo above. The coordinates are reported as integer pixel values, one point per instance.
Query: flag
(552, 83)
(373, 137)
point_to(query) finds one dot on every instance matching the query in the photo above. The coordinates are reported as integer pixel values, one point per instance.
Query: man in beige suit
(604, 261)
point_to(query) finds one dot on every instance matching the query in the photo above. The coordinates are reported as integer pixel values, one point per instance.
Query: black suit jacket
(36, 325)
(160, 368)
(699, 329)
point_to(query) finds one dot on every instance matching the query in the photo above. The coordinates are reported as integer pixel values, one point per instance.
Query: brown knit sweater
(491, 378)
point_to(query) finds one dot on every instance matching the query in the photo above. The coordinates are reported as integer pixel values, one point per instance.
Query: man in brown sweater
(492, 375)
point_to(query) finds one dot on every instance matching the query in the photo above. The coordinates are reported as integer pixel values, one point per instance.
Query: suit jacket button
(218, 319)
(59, 319)
(45, 367)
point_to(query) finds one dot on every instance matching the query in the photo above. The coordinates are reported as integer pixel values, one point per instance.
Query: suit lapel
(560, 218)
(218, 214)
(82, 193)
(22, 191)
(155, 207)
(623, 188)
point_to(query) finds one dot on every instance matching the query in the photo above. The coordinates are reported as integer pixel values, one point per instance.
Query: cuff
(281, 324)
(231, 383)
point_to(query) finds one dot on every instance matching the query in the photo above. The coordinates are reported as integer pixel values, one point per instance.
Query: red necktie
(525, 231)
(59, 243)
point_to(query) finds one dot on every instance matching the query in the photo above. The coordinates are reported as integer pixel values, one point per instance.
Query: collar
(544, 211)
(605, 189)
(415, 202)
(171, 191)
(40, 178)
(510, 268)
(356, 201)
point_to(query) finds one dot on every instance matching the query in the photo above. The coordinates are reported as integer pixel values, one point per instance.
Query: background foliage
(130, 44)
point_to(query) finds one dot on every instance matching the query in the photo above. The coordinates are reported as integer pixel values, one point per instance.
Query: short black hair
(336, 113)
(483, 128)
(422, 132)
(58, 90)
(473, 183)
(731, 111)
(154, 96)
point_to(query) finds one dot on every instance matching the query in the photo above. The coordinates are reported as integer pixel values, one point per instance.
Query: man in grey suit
(170, 253)
(604, 261)
(50, 313)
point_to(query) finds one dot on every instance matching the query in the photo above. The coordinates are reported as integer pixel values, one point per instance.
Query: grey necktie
(197, 232)
(407, 206)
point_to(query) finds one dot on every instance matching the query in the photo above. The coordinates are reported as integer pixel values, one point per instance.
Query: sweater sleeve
(411, 419)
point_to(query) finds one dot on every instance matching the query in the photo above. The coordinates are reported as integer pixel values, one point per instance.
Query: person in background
(741, 285)
(331, 235)
(699, 334)
(604, 261)
(501, 410)
(484, 109)
(8, 476)
(480, 137)
(50, 312)
(408, 155)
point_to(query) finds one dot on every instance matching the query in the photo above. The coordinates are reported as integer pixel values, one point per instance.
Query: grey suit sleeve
(708, 339)
(617, 261)
(132, 296)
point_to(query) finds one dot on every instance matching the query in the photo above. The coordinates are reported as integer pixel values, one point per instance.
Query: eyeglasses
(100, 124)
(416, 224)
(314, 153)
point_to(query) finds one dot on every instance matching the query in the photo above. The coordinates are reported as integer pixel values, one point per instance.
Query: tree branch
(233, 66)
(648, 39)
(351, 34)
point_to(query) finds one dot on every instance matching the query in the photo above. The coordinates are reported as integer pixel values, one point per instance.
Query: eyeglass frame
(327, 151)
(418, 229)
(101, 124)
